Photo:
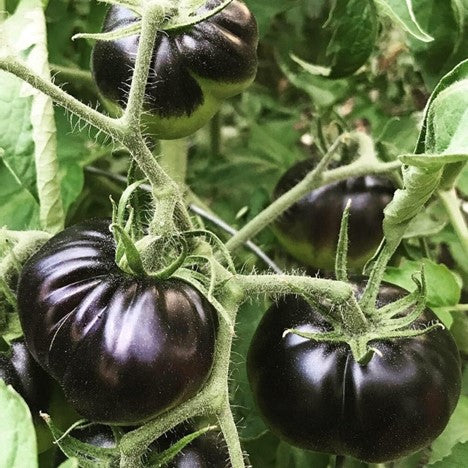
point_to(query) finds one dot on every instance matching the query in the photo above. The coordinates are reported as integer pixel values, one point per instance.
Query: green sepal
(133, 260)
(341, 260)
(120, 33)
(184, 18)
(89, 456)
(161, 459)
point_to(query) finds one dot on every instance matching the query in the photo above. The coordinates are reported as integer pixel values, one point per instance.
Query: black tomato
(309, 230)
(20, 370)
(123, 348)
(192, 70)
(316, 396)
(206, 451)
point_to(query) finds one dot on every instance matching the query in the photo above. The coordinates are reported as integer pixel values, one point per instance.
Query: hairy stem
(231, 436)
(173, 159)
(452, 206)
(108, 125)
(153, 15)
(337, 297)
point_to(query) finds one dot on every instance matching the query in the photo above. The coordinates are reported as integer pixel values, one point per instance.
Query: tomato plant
(140, 244)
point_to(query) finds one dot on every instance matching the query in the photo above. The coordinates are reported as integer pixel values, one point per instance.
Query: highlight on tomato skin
(315, 396)
(309, 229)
(123, 348)
(193, 69)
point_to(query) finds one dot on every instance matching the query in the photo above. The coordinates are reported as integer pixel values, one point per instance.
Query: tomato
(309, 229)
(316, 396)
(123, 348)
(192, 70)
(206, 451)
(20, 370)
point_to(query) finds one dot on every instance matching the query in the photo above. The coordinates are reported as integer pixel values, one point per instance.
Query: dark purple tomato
(206, 451)
(315, 396)
(123, 348)
(20, 370)
(193, 69)
(309, 230)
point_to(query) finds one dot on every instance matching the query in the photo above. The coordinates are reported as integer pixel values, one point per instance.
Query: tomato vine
(214, 275)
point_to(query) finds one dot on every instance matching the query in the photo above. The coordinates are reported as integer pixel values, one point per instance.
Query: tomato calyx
(391, 322)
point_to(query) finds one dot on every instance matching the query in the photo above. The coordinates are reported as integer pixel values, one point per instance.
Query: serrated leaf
(401, 11)
(443, 288)
(16, 431)
(455, 433)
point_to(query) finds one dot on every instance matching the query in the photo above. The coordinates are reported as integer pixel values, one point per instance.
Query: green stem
(108, 125)
(269, 214)
(215, 135)
(231, 436)
(369, 296)
(336, 295)
(312, 181)
(451, 204)
(173, 159)
(74, 74)
(153, 15)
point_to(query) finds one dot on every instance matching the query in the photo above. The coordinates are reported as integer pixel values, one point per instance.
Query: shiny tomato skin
(316, 396)
(309, 230)
(123, 349)
(192, 70)
(20, 370)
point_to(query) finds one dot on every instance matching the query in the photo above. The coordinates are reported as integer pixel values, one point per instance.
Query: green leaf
(354, 28)
(51, 213)
(428, 222)
(401, 11)
(430, 143)
(19, 209)
(455, 433)
(445, 22)
(34, 163)
(419, 185)
(443, 288)
(16, 431)
(456, 459)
